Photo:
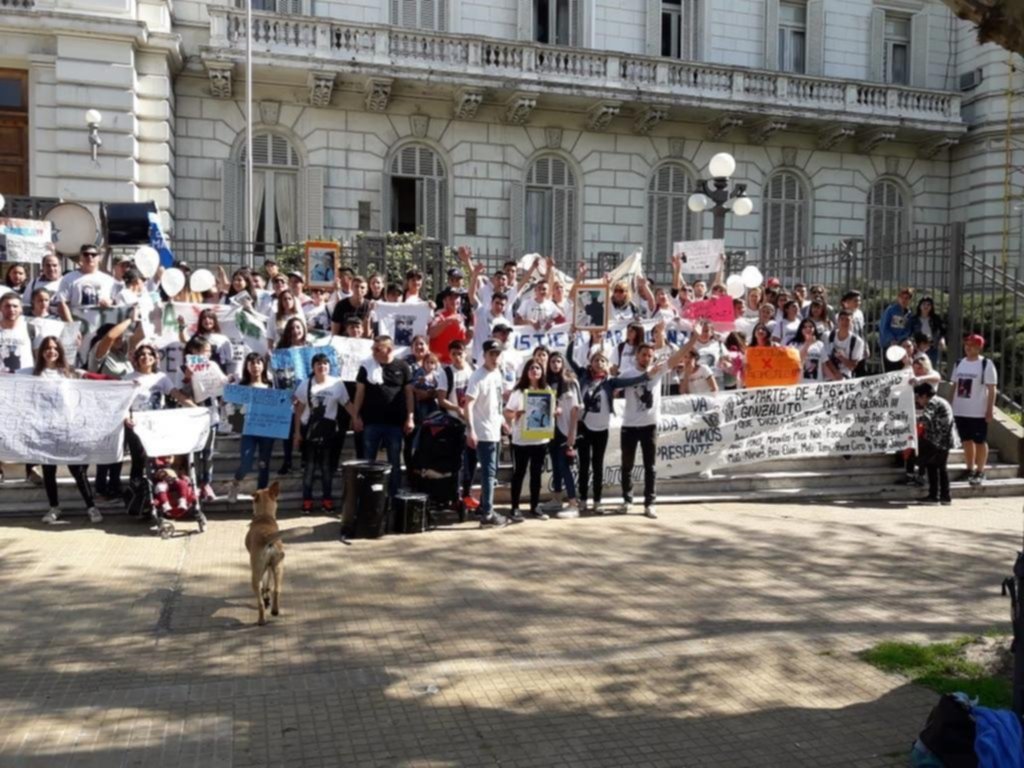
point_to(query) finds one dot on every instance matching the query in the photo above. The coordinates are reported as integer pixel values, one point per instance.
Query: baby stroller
(165, 494)
(437, 460)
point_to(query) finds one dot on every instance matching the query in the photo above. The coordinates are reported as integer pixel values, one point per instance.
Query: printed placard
(539, 416)
(402, 321)
(321, 263)
(25, 241)
(699, 257)
(590, 306)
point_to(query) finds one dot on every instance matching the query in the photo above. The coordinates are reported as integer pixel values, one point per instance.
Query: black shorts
(971, 429)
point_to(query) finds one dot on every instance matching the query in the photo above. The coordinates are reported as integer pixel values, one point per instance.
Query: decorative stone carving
(553, 138)
(869, 140)
(762, 130)
(647, 118)
(789, 156)
(378, 94)
(220, 73)
(419, 124)
(677, 147)
(723, 126)
(467, 102)
(519, 108)
(930, 149)
(833, 134)
(270, 112)
(321, 87)
(601, 114)
(892, 165)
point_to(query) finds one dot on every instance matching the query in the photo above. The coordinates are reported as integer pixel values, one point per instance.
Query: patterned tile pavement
(718, 635)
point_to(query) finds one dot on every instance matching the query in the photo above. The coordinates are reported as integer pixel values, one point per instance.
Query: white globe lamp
(722, 166)
(742, 206)
(698, 202)
(93, 118)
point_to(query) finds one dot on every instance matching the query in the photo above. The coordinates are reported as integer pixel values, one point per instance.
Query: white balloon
(172, 281)
(751, 276)
(147, 260)
(895, 353)
(734, 286)
(2, 202)
(202, 280)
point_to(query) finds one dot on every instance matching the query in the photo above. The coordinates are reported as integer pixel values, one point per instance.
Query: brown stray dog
(266, 551)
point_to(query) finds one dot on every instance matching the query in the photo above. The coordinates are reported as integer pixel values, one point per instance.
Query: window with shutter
(668, 219)
(680, 29)
(550, 212)
(419, 192)
(420, 14)
(281, 199)
(557, 22)
(785, 221)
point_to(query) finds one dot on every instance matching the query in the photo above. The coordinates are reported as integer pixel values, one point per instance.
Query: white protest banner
(700, 257)
(62, 421)
(351, 352)
(245, 329)
(873, 415)
(25, 240)
(556, 338)
(402, 321)
(207, 378)
(631, 268)
(173, 432)
(172, 355)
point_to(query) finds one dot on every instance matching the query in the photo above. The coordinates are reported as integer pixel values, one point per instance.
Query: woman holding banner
(208, 327)
(51, 364)
(253, 448)
(292, 335)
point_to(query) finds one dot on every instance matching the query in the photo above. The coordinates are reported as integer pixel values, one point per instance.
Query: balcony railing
(658, 79)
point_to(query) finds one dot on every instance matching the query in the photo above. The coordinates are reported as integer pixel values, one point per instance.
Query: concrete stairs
(824, 479)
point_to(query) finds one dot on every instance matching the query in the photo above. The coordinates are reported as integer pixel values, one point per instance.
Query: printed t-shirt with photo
(79, 290)
(151, 391)
(970, 379)
(486, 390)
(570, 399)
(854, 352)
(709, 353)
(811, 366)
(643, 400)
(15, 348)
(455, 388)
(329, 396)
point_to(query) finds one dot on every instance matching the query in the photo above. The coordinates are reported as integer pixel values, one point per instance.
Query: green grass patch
(942, 668)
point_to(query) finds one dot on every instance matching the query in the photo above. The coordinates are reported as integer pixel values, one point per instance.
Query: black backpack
(862, 365)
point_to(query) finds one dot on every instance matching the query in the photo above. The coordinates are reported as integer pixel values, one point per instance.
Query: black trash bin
(349, 493)
(410, 513)
(370, 491)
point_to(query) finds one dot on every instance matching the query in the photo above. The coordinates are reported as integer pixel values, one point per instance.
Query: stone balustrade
(400, 52)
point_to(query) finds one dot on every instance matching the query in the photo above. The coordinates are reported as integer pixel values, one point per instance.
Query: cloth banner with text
(246, 329)
(173, 432)
(25, 241)
(63, 421)
(873, 415)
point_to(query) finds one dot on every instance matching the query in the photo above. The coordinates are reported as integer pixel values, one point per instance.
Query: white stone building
(564, 126)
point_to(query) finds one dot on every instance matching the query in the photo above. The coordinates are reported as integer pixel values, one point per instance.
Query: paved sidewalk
(718, 635)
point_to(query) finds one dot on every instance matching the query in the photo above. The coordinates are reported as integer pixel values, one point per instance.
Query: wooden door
(14, 179)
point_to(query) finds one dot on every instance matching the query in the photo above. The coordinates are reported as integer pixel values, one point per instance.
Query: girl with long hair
(51, 363)
(563, 447)
(808, 342)
(293, 334)
(927, 322)
(527, 452)
(253, 448)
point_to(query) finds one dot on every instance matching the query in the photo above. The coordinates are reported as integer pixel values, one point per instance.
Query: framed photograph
(590, 306)
(322, 258)
(539, 419)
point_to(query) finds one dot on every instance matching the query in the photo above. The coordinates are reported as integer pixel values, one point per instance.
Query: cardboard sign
(268, 412)
(25, 241)
(772, 367)
(718, 311)
(699, 257)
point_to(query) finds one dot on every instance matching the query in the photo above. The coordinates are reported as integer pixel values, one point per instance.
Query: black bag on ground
(949, 734)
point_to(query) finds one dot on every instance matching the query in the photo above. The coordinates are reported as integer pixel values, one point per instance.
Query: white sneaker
(94, 515)
(706, 475)
(52, 516)
(552, 505)
(208, 494)
(649, 512)
(569, 513)
(233, 492)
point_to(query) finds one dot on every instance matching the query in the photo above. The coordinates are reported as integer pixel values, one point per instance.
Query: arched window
(668, 218)
(275, 180)
(550, 213)
(886, 214)
(786, 220)
(419, 192)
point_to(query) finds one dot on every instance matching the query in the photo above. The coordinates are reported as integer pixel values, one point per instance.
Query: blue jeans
(391, 437)
(253, 447)
(487, 455)
(561, 467)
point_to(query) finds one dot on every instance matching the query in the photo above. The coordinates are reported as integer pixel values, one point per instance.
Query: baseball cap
(975, 338)
(501, 327)
(773, 282)
(491, 346)
(455, 272)
(293, 275)
(121, 258)
(851, 295)
(446, 292)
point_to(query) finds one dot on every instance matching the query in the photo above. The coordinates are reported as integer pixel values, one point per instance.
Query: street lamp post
(715, 195)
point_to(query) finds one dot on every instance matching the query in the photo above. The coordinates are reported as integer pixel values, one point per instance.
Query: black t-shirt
(345, 309)
(385, 403)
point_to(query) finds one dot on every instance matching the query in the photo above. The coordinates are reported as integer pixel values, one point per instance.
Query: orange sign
(772, 367)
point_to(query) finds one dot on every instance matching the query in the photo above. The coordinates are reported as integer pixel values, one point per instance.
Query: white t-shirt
(485, 389)
(811, 369)
(970, 398)
(643, 400)
(40, 282)
(517, 402)
(152, 390)
(80, 290)
(699, 380)
(15, 348)
(570, 399)
(318, 318)
(540, 314)
(329, 396)
(784, 331)
(709, 353)
(485, 293)
(458, 384)
(855, 352)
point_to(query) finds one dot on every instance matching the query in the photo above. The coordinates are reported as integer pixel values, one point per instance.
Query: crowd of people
(469, 366)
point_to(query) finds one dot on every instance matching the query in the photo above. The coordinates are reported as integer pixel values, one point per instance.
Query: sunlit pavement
(717, 635)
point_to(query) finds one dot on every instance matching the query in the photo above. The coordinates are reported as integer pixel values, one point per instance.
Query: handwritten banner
(244, 328)
(718, 311)
(207, 378)
(700, 257)
(63, 421)
(772, 367)
(268, 412)
(25, 241)
(873, 415)
(173, 432)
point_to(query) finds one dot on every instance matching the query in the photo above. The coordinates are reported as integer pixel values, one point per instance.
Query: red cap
(975, 338)
(773, 282)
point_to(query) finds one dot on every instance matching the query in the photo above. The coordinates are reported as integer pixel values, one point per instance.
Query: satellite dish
(73, 226)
